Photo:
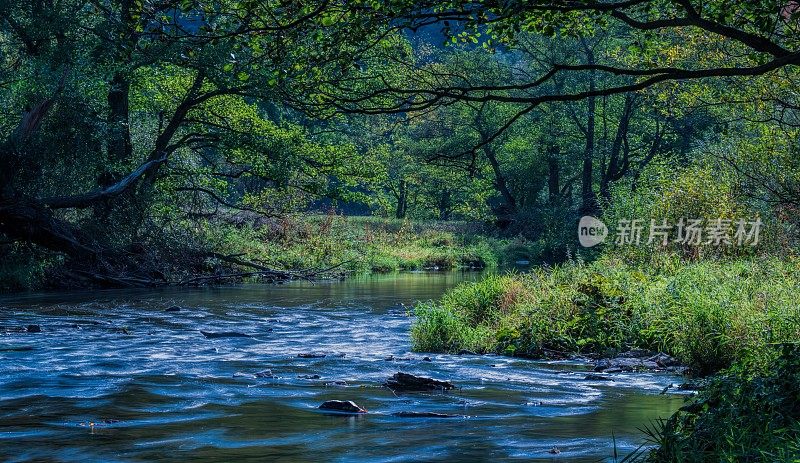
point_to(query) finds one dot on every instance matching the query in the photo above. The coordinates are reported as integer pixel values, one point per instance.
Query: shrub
(747, 414)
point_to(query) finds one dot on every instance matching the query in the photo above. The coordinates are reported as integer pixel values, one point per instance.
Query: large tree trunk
(553, 175)
(119, 137)
(619, 158)
(26, 220)
(402, 200)
(500, 180)
(588, 199)
(119, 134)
(445, 205)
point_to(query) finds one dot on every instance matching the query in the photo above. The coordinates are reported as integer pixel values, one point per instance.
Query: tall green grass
(360, 244)
(750, 413)
(708, 314)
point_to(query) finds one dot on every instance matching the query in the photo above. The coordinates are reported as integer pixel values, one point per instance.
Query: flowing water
(115, 377)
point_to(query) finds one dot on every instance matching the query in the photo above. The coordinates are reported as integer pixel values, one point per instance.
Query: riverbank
(706, 314)
(735, 321)
(251, 248)
(362, 244)
(747, 413)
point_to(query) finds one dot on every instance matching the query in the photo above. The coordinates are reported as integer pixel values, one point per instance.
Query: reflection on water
(115, 377)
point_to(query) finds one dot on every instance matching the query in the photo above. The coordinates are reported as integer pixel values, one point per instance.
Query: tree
(128, 103)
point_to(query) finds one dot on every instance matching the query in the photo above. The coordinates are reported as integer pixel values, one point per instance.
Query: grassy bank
(707, 314)
(363, 244)
(344, 245)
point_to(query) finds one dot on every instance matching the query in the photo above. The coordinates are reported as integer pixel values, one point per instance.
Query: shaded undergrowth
(749, 413)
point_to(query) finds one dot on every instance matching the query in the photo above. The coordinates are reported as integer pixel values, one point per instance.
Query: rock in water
(341, 406)
(620, 364)
(407, 382)
(224, 334)
(174, 308)
(34, 329)
(311, 355)
(595, 377)
(664, 361)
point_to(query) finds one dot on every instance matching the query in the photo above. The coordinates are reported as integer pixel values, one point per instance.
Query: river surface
(115, 377)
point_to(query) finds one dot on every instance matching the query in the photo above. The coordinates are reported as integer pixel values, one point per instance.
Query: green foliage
(441, 330)
(357, 244)
(21, 269)
(747, 413)
(707, 314)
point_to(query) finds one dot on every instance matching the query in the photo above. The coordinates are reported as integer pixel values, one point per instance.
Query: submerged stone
(596, 377)
(407, 382)
(224, 334)
(423, 415)
(620, 364)
(342, 406)
(34, 329)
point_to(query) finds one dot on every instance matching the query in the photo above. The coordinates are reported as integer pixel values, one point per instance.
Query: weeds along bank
(730, 313)
(708, 314)
(365, 244)
(238, 244)
(751, 412)
(736, 319)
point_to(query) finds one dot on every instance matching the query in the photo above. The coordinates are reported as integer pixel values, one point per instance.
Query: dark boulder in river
(224, 334)
(341, 406)
(407, 382)
(620, 364)
(174, 308)
(664, 361)
(311, 355)
(596, 377)
(34, 329)
(636, 360)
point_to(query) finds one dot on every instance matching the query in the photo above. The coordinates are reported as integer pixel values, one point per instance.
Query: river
(113, 376)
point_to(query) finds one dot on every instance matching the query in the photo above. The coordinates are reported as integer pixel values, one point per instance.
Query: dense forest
(183, 142)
